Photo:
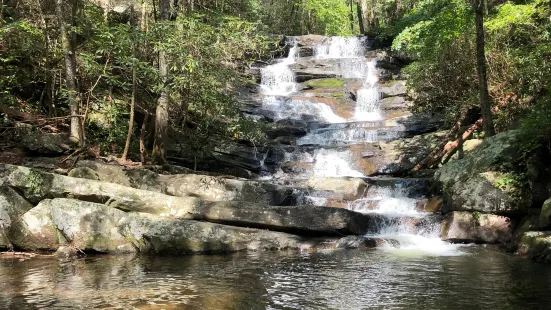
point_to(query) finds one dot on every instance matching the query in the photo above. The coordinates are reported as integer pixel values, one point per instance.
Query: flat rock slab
(37, 186)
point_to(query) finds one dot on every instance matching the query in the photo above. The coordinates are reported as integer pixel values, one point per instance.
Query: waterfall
(278, 79)
(368, 97)
(406, 230)
(341, 135)
(339, 47)
(300, 109)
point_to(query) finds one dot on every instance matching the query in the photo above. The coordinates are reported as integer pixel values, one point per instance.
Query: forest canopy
(110, 70)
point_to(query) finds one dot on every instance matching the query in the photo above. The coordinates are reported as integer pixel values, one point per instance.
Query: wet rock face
(466, 227)
(536, 245)
(474, 184)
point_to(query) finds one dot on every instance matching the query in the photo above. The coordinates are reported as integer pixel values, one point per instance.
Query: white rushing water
(285, 108)
(402, 234)
(339, 47)
(278, 79)
(339, 136)
(327, 162)
(369, 96)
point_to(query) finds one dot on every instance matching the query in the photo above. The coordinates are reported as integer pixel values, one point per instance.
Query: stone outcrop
(536, 245)
(475, 182)
(12, 207)
(48, 144)
(38, 186)
(545, 215)
(94, 227)
(467, 227)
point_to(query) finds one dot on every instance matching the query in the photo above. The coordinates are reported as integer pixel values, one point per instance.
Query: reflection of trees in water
(335, 279)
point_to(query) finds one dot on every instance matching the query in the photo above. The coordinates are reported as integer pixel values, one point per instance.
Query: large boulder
(89, 226)
(536, 245)
(467, 227)
(476, 183)
(48, 144)
(12, 207)
(215, 188)
(36, 230)
(161, 235)
(545, 215)
(347, 188)
(37, 185)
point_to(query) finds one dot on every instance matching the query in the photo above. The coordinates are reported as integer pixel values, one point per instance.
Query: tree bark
(351, 17)
(68, 45)
(484, 97)
(161, 114)
(133, 99)
(360, 19)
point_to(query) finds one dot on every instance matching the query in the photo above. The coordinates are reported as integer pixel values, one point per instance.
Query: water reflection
(354, 279)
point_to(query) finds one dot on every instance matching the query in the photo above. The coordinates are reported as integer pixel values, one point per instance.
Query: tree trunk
(133, 99)
(484, 97)
(161, 114)
(360, 19)
(351, 17)
(70, 66)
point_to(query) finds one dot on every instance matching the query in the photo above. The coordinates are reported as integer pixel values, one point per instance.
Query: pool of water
(483, 277)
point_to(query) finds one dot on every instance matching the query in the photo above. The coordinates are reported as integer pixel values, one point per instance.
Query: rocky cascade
(333, 173)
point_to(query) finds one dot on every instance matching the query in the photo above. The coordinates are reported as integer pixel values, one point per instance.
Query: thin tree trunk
(70, 67)
(142, 137)
(351, 17)
(133, 99)
(360, 19)
(484, 97)
(161, 113)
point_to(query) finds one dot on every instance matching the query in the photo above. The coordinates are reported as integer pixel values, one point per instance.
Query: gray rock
(152, 234)
(467, 227)
(393, 88)
(84, 173)
(90, 226)
(536, 245)
(545, 215)
(473, 183)
(12, 207)
(36, 230)
(48, 144)
(303, 219)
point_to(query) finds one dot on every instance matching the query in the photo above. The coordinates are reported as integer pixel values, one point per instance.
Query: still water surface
(482, 278)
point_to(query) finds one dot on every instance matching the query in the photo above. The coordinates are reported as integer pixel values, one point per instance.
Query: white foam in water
(285, 108)
(396, 235)
(330, 163)
(279, 79)
(339, 47)
(327, 162)
(329, 137)
(368, 97)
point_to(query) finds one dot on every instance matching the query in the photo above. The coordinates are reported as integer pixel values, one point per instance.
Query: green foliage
(332, 16)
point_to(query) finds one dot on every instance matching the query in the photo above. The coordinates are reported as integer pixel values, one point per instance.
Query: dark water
(485, 278)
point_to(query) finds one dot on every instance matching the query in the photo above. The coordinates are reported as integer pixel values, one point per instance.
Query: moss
(325, 83)
(338, 95)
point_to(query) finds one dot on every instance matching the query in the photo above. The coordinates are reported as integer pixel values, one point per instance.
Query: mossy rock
(326, 83)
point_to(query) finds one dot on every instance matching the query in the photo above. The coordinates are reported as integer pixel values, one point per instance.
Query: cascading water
(406, 230)
(368, 97)
(339, 47)
(284, 108)
(278, 79)
(403, 228)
